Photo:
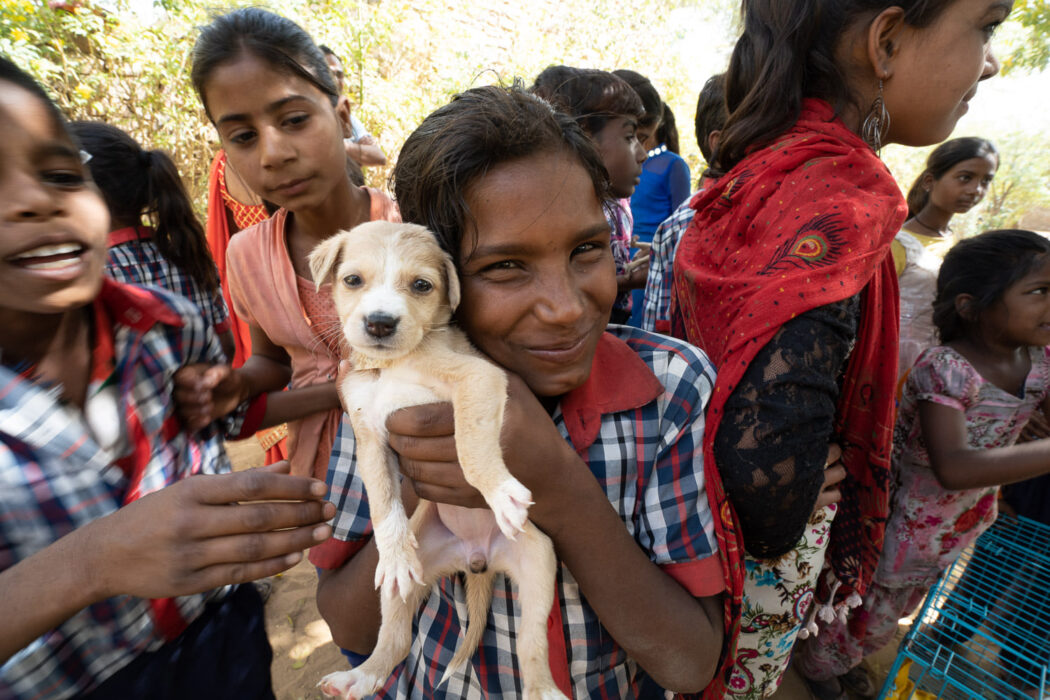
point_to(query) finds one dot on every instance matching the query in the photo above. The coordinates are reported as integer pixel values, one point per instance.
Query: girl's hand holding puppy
(424, 438)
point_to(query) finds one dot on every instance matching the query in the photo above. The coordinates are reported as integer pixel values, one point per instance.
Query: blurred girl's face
(538, 281)
(622, 154)
(964, 185)
(54, 225)
(280, 132)
(934, 70)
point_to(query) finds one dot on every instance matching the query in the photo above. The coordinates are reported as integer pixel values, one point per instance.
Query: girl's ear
(342, 113)
(964, 306)
(927, 181)
(884, 38)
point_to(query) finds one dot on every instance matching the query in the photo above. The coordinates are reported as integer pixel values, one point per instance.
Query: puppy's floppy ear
(324, 258)
(452, 278)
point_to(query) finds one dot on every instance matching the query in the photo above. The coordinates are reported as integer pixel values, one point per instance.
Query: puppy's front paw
(510, 504)
(399, 568)
(350, 685)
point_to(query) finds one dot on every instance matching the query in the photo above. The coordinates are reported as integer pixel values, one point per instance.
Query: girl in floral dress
(963, 407)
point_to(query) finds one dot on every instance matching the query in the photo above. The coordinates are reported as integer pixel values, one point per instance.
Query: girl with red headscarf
(784, 278)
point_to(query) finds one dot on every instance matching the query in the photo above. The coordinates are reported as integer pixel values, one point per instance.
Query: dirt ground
(303, 651)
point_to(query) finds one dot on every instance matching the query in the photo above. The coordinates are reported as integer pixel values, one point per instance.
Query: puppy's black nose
(380, 325)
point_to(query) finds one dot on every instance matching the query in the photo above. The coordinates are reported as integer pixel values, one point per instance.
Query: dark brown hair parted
(651, 101)
(460, 142)
(787, 52)
(710, 114)
(983, 267)
(278, 41)
(592, 97)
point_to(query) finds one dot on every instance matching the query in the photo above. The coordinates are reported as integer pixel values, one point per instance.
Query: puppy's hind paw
(336, 685)
(350, 685)
(510, 504)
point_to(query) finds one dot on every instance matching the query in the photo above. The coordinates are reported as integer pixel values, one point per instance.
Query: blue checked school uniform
(133, 258)
(638, 423)
(656, 305)
(60, 469)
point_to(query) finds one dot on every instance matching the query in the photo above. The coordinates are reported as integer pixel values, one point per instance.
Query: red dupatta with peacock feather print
(805, 222)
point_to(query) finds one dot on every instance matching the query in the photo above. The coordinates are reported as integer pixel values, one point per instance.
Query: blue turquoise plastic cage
(984, 630)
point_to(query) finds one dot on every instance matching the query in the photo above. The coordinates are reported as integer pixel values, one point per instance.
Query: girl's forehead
(1039, 273)
(985, 162)
(248, 80)
(26, 122)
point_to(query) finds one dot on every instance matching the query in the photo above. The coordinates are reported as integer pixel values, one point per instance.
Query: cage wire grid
(984, 629)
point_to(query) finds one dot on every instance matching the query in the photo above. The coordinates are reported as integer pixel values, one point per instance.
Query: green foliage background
(404, 58)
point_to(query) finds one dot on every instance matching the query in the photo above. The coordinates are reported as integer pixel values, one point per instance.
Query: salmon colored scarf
(218, 232)
(805, 222)
(222, 206)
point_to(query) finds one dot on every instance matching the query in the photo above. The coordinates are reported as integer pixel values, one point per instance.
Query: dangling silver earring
(877, 123)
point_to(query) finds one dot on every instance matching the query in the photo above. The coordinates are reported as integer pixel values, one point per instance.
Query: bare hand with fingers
(424, 439)
(208, 531)
(834, 474)
(204, 393)
(1037, 428)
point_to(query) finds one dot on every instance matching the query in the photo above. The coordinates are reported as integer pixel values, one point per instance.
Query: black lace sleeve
(773, 439)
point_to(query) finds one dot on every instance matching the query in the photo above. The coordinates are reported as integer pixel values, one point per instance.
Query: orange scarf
(221, 206)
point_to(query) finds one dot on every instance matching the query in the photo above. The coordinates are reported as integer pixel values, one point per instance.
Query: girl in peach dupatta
(267, 89)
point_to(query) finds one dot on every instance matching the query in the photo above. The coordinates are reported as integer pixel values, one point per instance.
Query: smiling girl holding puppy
(603, 427)
(268, 90)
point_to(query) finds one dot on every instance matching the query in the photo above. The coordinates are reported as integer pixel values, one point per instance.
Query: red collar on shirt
(134, 307)
(131, 233)
(619, 381)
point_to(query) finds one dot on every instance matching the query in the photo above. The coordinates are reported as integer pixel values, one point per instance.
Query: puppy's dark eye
(422, 286)
(352, 281)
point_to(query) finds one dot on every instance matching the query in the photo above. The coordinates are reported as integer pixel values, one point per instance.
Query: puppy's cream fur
(395, 291)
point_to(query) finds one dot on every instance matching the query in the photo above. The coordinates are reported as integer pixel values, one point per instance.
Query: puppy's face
(391, 284)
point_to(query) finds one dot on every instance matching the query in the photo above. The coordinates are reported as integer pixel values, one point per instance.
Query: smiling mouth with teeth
(49, 257)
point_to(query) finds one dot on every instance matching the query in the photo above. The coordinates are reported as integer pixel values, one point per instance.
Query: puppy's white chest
(372, 395)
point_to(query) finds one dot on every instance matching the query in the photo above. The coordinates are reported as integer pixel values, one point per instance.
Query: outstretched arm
(205, 393)
(200, 533)
(365, 151)
(958, 466)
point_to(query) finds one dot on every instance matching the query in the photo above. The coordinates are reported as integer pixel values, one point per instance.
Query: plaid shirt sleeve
(656, 311)
(648, 460)
(352, 524)
(672, 520)
(140, 262)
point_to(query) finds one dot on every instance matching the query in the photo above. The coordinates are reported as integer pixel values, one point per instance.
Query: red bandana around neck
(805, 222)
